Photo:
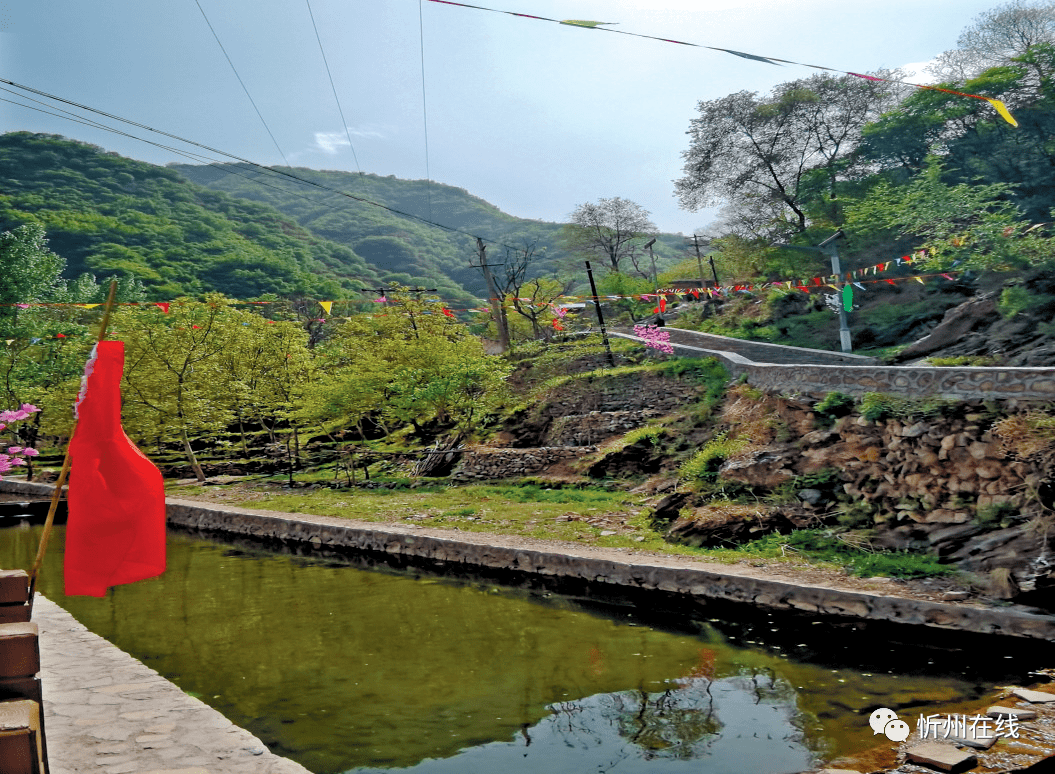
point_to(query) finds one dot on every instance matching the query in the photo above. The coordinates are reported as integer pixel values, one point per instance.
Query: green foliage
(1015, 300)
(963, 360)
(835, 404)
(996, 515)
(876, 406)
(854, 555)
(653, 434)
(411, 365)
(703, 466)
(175, 236)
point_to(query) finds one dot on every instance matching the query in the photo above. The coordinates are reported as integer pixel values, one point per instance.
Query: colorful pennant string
(999, 106)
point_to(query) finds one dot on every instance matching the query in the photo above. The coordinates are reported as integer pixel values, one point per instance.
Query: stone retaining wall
(691, 579)
(908, 381)
(489, 464)
(586, 429)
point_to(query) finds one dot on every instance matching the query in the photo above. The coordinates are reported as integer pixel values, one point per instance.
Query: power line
(424, 108)
(270, 170)
(344, 121)
(239, 77)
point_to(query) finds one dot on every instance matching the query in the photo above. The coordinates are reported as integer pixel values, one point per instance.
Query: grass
(577, 515)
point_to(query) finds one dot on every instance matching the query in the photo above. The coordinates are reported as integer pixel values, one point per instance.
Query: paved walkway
(107, 713)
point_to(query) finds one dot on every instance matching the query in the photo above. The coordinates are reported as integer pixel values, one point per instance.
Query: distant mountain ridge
(233, 228)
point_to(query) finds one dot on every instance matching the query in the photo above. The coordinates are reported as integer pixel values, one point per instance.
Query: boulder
(957, 323)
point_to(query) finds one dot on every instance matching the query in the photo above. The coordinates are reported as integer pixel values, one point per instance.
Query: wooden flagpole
(57, 494)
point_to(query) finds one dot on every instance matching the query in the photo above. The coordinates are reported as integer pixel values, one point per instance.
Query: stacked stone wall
(588, 429)
(488, 464)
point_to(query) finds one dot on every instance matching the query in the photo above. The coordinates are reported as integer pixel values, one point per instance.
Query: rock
(980, 739)
(811, 496)
(957, 323)
(997, 711)
(1034, 697)
(915, 431)
(941, 756)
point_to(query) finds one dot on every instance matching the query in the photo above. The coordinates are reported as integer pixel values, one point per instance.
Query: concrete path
(107, 713)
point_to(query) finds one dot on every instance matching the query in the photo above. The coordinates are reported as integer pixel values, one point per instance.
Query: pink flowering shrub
(655, 338)
(14, 456)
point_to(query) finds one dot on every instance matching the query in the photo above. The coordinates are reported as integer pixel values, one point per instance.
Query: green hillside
(244, 232)
(400, 247)
(106, 214)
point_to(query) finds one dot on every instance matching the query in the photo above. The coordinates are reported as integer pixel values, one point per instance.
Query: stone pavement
(107, 713)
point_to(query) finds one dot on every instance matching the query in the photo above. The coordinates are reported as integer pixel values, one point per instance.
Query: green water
(346, 669)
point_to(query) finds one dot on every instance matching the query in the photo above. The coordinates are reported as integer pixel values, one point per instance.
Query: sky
(532, 116)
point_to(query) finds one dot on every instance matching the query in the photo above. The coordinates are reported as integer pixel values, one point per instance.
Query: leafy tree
(174, 383)
(408, 364)
(617, 284)
(969, 226)
(608, 228)
(44, 348)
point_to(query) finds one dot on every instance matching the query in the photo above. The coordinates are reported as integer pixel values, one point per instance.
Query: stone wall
(587, 429)
(619, 392)
(936, 485)
(484, 464)
(908, 381)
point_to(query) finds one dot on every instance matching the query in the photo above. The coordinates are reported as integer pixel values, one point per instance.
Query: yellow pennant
(326, 306)
(90, 306)
(1003, 111)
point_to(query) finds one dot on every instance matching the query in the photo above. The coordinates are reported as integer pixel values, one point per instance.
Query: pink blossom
(5, 463)
(29, 408)
(30, 452)
(18, 461)
(14, 449)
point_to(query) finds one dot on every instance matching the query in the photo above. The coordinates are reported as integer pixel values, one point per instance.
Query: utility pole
(655, 277)
(600, 317)
(844, 325)
(829, 247)
(699, 262)
(496, 304)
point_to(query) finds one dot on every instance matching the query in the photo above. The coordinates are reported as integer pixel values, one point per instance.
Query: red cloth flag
(116, 528)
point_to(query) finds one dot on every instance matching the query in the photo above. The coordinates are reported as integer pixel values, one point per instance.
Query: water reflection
(342, 669)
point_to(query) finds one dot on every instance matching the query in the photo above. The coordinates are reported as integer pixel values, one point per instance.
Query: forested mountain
(187, 229)
(399, 244)
(106, 214)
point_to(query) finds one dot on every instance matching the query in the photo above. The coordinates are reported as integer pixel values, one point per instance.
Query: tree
(531, 299)
(172, 371)
(757, 152)
(968, 226)
(607, 228)
(409, 364)
(995, 38)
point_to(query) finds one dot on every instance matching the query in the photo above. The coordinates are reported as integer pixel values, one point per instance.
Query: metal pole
(844, 325)
(699, 261)
(600, 317)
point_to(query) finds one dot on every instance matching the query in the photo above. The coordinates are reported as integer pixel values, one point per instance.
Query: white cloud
(332, 142)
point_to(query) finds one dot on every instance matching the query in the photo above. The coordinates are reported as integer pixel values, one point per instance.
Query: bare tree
(608, 228)
(769, 154)
(997, 37)
(531, 299)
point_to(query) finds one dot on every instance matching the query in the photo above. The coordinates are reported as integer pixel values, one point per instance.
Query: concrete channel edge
(690, 578)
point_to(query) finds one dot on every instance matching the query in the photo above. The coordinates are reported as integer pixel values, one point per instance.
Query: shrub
(877, 405)
(835, 404)
(704, 464)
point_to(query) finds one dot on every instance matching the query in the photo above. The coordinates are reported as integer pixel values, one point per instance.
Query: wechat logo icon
(886, 721)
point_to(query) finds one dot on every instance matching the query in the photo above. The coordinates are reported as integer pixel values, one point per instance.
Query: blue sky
(531, 116)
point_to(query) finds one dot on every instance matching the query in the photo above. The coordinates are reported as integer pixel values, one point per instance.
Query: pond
(349, 669)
